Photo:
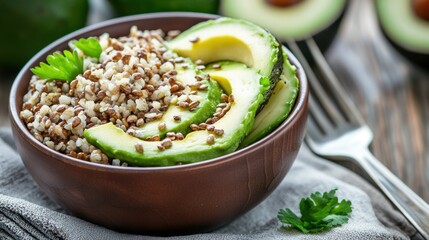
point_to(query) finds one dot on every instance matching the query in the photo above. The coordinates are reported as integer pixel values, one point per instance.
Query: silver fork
(337, 131)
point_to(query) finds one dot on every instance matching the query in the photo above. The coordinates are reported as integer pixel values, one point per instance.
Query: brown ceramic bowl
(159, 200)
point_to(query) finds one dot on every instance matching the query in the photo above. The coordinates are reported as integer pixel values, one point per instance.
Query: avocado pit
(421, 8)
(283, 3)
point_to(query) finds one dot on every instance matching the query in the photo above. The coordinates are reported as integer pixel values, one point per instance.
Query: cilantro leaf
(89, 46)
(319, 212)
(63, 67)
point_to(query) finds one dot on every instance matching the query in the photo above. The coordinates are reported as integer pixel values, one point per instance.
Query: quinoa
(132, 83)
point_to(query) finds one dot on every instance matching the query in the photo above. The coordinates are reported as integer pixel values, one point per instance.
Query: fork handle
(414, 208)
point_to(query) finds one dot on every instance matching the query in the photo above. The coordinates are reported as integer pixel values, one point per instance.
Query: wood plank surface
(392, 95)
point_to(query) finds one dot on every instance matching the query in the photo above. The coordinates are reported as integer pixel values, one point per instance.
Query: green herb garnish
(60, 67)
(66, 67)
(318, 212)
(89, 46)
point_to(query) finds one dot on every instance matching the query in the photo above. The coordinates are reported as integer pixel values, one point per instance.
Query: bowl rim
(299, 104)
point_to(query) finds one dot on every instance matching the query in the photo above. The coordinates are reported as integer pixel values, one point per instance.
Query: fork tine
(314, 128)
(344, 103)
(319, 118)
(325, 112)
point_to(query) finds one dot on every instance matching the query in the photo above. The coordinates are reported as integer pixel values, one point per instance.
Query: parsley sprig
(67, 66)
(63, 67)
(319, 212)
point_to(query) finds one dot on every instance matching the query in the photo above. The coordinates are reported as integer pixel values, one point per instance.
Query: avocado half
(406, 31)
(319, 19)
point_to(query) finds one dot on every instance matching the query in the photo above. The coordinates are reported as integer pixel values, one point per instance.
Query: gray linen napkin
(27, 213)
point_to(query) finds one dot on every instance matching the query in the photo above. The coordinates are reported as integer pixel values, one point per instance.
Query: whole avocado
(130, 7)
(28, 26)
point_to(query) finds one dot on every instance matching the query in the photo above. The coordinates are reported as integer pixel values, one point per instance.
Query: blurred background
(387, 80)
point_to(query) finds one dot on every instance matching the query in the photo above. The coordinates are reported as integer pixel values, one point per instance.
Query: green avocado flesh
(279, 105)
(232, 40)
(402, 25)
(244, 84)
(297, 21)
(208, 99)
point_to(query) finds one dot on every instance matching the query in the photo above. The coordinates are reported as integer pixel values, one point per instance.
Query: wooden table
(391, 94)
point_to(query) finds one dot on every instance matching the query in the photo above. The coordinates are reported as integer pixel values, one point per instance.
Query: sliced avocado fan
(246, 63)
(246, 88)
(278, 106)
(233, 40)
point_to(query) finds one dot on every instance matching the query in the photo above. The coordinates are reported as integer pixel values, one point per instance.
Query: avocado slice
(233, 40)
(208, 100)
(408, 32)
(244, 84)
(293, 19)
(278, 106)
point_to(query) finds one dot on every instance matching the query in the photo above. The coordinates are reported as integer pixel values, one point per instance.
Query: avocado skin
(130, 7)
(28, 26)
(268, 120)
(274, 77)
